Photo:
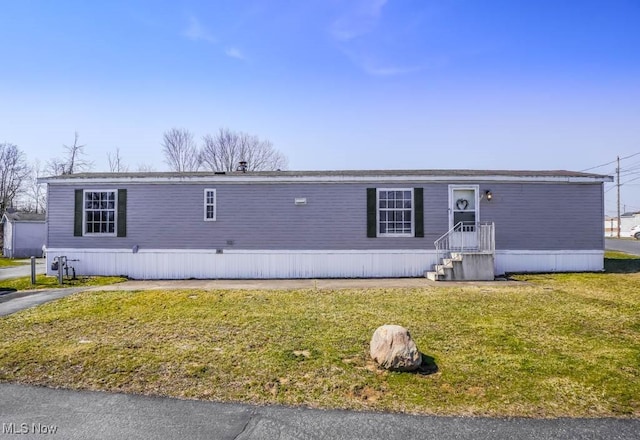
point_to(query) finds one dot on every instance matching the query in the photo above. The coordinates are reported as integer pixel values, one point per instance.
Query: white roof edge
(13, 220)
(324, 179)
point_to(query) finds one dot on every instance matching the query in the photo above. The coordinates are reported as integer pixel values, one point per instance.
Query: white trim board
(59, 251)
(374, 179)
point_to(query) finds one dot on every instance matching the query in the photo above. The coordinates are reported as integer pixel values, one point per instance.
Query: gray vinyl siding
(546, 216)
(263, 216)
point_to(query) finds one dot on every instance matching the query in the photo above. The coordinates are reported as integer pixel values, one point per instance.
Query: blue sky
(334, 84)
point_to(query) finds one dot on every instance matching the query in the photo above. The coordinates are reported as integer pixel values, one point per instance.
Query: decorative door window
(464, 208)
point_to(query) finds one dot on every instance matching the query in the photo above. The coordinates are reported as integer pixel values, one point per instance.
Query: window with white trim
(100, 212)
(209, 204)
(395, 212)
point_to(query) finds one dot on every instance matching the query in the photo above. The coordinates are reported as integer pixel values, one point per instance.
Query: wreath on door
(462, 204)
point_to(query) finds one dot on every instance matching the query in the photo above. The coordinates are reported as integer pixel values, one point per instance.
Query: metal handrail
(483, 241)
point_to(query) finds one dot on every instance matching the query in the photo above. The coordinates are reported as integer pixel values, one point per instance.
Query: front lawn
(555, 345)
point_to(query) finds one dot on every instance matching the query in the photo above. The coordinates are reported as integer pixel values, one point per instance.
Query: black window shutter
(371, 213)
(122, 213)
(77, 217)
(418, 206)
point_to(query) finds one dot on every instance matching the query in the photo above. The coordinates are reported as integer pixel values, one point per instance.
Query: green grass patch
(557, 345)
(617, 255)
(8, 262)
(47, 282)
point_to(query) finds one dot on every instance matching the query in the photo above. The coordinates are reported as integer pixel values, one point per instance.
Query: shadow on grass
(619, 265)
(427, 367)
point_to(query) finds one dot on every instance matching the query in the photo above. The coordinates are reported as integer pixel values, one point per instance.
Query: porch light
(488, 194)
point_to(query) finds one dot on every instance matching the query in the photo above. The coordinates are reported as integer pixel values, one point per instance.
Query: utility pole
(618, 185)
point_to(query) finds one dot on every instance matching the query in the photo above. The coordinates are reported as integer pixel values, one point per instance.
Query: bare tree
(116, 163)
(225, 150)
(73, 162)
(56, 166)
(36, 194)
(145, 168)
(14, 172)
(180, 151)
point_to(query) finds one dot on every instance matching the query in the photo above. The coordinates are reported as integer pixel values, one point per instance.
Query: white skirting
(237, 264)
(509, 261)
(234, 264)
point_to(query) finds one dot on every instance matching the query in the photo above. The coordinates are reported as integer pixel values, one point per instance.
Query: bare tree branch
(225, 150)
(180, 151)
(145, 168)
(14, 172)
(36, 192)
(73, 162)
(75, 157)
(116, 163)
(56, 166)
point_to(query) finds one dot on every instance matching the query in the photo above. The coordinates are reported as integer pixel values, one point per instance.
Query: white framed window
(395, 212)
(210, 205)
(99, 212)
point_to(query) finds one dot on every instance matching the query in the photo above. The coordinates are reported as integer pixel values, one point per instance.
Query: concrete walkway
(348, 283)
(14, 302)
(95, 415)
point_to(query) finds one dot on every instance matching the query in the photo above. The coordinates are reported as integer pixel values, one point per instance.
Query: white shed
(24, 234)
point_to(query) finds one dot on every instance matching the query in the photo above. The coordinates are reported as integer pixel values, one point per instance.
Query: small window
(100, 212)
(209, 204)
(395, 212)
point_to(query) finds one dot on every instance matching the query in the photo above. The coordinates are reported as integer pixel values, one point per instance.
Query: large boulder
(393, 349)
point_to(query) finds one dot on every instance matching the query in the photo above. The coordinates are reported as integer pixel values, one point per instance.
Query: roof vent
(242, 166)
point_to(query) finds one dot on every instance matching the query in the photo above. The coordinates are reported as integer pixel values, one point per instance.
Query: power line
(635, 178)
(630, 156)
(613, 161)
(599, 166)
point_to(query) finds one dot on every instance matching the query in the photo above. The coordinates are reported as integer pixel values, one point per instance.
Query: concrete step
(453, 259)
(431, 275)
(470, 266)
(440, 272)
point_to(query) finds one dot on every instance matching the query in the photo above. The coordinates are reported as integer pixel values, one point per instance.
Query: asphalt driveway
(14, 302)
(628, 246)
(96, 415)
(23, 270)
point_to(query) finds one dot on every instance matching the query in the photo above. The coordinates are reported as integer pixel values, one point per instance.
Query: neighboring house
(319, 224)
(611, 226)
(24, 234)
(627, 221)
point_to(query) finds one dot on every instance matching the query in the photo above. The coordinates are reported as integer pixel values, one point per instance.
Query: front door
(464, 215)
